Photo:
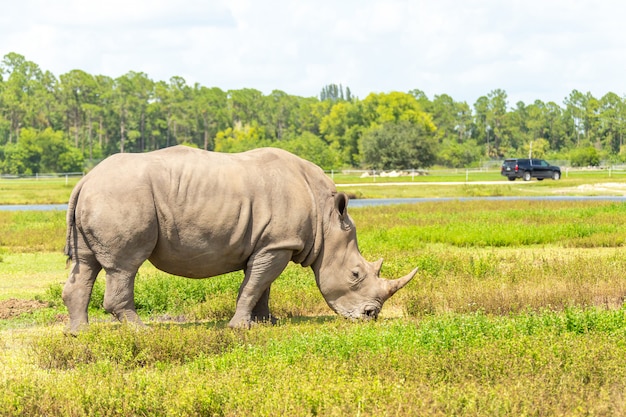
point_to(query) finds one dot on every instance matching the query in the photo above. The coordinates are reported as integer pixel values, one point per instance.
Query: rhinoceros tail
(70, 237)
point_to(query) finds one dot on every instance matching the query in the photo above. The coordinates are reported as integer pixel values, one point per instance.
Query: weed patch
(528, 363)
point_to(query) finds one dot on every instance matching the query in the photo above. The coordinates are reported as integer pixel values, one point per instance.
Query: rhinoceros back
(198, 214)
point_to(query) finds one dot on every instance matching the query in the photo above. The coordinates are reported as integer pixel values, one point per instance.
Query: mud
(13, 307)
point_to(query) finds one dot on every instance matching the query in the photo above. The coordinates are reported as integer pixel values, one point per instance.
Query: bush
(39, 152)
(585, 157)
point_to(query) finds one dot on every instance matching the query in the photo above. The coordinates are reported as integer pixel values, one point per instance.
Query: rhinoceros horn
(390, 286)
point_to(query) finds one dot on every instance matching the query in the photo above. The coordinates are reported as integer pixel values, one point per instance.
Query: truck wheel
(526, 176)
(511, 178)
(556, 176)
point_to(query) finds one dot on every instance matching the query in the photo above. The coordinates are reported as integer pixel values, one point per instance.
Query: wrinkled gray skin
(199, 214)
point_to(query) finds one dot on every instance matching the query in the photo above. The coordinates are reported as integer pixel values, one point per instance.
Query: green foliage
(538, 363)
(537, 148)
(334, 92)
(40, 152)
(239, 139)
(101, 115)
(585, 157)
(459, 155)
(312, 148)
(15, 160)
(398, 145)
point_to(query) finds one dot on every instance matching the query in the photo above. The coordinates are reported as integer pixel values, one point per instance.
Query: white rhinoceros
(199, 214)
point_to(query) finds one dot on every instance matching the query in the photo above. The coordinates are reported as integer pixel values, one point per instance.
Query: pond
(376, 201)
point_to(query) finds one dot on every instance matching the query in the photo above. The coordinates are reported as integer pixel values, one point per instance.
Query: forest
(70, 122)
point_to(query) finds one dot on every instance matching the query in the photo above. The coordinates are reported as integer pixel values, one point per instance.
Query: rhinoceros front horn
(393, 285)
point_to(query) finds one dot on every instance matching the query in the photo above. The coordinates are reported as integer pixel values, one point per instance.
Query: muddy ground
(13, 307)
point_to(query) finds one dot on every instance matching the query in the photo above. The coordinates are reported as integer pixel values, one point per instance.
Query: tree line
(70, 122)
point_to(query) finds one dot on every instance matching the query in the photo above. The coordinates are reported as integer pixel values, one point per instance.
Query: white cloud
(532, 49)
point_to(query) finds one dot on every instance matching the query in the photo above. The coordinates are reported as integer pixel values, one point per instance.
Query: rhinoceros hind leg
(253, 300)
(261, 312)
(119, 295)
(77, 290)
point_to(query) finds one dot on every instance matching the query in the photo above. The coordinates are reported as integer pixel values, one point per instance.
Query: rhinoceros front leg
(253, 300)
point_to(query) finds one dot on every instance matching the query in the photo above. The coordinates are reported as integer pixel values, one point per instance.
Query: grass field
(442, 183)
(517, 310)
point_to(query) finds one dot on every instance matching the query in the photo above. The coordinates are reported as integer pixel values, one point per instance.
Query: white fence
(43, 177)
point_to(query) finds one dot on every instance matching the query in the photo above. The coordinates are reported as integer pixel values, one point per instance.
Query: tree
(240, 139)
(576, 104)
(555, 126)
(210, 105)
(22, 80)
(334, 92)
(131, 94)
(398, 145)
(459, 155)
(40, 151)
(342, 128)
(314, 149)
(346, 123)
(279, 115)
(585, 156)
(244, 106)
(537, 148)
(612, 122)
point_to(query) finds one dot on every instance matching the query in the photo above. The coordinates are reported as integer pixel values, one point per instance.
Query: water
(33, 207)
(376, 201)
(389, 201)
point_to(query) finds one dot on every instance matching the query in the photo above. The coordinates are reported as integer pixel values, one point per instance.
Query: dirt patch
(13, 307)
(601, 188)
(605, 187)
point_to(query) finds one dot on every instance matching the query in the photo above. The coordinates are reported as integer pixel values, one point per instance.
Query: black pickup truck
(529, 168)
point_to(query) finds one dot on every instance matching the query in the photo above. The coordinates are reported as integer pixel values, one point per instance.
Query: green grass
(32, 191)
(545, 363)
(448, 183)
(517, 310)
(32, 231)
(26, 275)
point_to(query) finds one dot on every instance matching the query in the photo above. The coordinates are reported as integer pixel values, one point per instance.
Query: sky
(531, 49)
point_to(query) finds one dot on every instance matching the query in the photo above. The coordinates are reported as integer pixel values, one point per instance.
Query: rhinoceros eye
(356, 277)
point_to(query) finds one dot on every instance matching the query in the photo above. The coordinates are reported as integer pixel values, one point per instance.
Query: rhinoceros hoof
(248, 323)
(265, 320)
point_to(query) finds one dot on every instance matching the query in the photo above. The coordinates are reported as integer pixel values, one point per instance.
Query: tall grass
(546, 363)
(518, 309)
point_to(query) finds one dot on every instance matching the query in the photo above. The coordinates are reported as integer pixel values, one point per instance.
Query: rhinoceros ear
(341, 204)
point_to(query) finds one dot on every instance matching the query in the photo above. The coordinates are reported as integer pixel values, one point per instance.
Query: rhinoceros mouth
(368, 312)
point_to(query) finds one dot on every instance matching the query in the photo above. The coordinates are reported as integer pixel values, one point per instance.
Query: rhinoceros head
(350, 285)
